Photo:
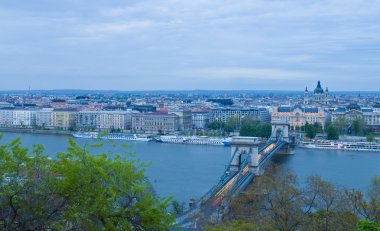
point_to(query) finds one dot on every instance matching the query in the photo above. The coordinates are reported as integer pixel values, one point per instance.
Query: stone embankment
(35, 131)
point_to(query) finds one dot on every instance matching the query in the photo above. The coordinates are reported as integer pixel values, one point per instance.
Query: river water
(186, 171)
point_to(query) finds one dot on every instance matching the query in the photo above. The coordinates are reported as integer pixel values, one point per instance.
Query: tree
(255, 128)
(77, 191)
(358, 126)
(310, 130)
(216, 125)
(340, 125)
(326, 206)
(177, 207)
(273, 201)
(370, 137)
(332, 133)
(368, 226)
(318, 127)
(367, 208)
(231, 125)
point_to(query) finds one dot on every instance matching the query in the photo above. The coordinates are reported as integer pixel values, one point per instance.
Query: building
(264, 115)
(200, 120)
(371, 116)
(224, 114)
(155, 122)
(64, 118)
(6, 117)
(119, 120)
(44, 118)
(298, 116)
(185, 118)
(87, 120)
(6, 105)
(143, 108)
(320, 97)
(23, 118)
(104, 120)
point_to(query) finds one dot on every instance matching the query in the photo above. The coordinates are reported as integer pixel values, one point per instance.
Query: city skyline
(187, 45)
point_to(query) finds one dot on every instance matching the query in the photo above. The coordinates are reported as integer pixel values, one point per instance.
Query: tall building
(320, 97)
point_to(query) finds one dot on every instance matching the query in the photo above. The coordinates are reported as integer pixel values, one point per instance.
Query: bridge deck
(232, 183)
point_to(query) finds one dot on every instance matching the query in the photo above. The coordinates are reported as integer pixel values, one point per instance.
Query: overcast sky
(190, 44)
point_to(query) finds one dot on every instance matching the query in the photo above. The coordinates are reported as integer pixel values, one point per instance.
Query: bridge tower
(277, 128)
(245, 145)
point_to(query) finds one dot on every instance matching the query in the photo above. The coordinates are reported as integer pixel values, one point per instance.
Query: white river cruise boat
(194, 140)
(348, 146)
(112, 136)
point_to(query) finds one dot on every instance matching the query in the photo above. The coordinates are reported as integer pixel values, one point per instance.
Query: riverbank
(36, 131)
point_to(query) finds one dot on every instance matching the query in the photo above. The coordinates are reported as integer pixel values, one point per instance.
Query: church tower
(306, 97)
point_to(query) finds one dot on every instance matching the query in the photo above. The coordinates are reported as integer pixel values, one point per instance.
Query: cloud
(231, 73)
(98, 31)
(250, 40)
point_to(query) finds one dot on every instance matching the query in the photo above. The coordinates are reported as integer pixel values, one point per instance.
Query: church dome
(318, 89)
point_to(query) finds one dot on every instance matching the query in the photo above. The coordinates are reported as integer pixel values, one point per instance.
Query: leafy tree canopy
(255, 128)
(76, 191)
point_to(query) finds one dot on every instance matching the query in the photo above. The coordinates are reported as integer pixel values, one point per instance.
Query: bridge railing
(224, 179)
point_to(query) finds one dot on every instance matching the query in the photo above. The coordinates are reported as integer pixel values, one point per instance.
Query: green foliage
(216, 125)
(255, 128)
(310, 130)
(177, 207)
(370, 137)
(77, 191)
(235, 226)
(340, 125)
(368, 226)
(230, 126)
(359, 126)
(332, 133)
(115, 130)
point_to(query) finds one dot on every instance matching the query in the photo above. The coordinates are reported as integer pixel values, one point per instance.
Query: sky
(190, 44)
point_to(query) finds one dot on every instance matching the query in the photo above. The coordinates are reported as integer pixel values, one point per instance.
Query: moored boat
(112, 136)
(337, 145)
(204, 140)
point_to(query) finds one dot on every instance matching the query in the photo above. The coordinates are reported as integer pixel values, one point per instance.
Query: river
(186, 171)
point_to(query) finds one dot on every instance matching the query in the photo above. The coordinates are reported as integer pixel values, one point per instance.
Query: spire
(306, 90)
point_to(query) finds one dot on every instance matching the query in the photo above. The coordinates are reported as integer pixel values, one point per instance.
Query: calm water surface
(185, 171)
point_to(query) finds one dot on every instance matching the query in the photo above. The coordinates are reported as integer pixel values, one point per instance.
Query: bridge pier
(248, 146)
(280, 127)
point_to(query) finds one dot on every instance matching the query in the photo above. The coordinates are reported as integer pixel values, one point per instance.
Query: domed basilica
(320, 97)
